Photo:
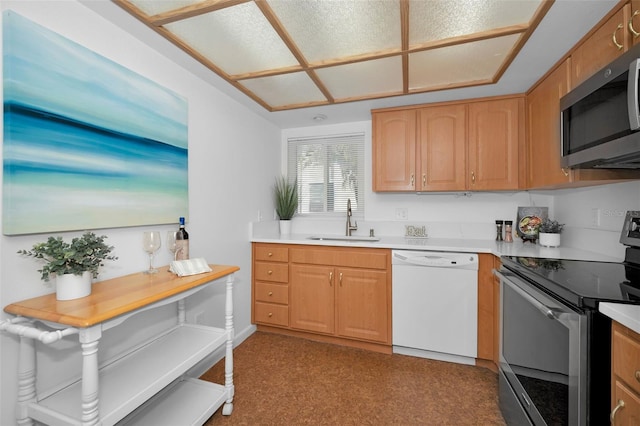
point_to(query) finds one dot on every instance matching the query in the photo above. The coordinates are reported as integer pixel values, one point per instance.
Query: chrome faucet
(350, 227)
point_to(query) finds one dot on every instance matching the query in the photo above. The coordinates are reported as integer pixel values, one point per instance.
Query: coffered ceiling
(289, 54)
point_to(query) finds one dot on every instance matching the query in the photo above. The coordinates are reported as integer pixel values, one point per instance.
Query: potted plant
(549, 233)
(72, 264)
(286, 200)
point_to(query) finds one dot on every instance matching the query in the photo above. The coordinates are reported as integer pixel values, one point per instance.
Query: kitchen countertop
(517, 248)
(627, 315)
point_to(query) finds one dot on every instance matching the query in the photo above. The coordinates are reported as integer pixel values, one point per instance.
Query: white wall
(579, 209)
(233, 157)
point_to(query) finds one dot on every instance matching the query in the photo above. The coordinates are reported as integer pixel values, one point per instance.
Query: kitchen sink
(342, 238)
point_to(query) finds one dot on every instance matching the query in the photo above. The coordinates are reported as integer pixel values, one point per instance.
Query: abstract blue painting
(87, 142)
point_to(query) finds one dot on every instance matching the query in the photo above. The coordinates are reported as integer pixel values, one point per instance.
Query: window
(330, 171)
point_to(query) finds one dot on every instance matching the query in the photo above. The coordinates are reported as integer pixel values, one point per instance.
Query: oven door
(543, 349)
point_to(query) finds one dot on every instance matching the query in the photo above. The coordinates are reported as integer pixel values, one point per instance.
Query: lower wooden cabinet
(313, 298)
(625, 376)
(488, 311)
(334, 294)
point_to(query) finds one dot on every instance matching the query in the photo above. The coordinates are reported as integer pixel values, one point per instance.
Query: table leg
(228, 359)
(26, 380)
(89, 338)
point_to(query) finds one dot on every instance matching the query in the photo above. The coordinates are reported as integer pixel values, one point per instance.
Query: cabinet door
(603, 46)
(486, 309)
(394, 150)
(312, 298)
(363, 304)
(495, 136)
(442, 158)
(543, 126)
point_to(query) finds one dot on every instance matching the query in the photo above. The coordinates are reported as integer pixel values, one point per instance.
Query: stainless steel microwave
(600, 118)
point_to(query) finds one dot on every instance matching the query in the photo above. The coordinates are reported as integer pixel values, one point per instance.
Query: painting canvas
(87, 142)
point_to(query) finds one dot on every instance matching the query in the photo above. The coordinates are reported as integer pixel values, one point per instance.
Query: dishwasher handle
(436, 259)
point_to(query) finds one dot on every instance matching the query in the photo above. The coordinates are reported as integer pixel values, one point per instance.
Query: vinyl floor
(283, 380)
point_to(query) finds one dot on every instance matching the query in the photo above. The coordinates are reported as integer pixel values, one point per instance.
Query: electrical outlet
(595, 218)
(402, 214)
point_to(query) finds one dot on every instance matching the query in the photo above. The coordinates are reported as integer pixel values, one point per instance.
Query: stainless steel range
(555, 347)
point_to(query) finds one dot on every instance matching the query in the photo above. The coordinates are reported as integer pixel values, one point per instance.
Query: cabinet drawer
(626, 358)
(272, 293)
(629, 414)
(271, 253)
(268, 313)
(356, 258)
(267, 271)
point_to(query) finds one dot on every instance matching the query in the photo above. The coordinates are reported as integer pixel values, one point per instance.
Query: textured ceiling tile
(381, 76)
(340, 28)
(458, 64)
(437, 20)
(285, 89)
(238, 39)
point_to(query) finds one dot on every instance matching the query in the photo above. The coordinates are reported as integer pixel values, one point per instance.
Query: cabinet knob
(270, 314)
(270, 293)
(331, 278)
(473, 177)
(270, 254)
(269, 272)
(638, 375)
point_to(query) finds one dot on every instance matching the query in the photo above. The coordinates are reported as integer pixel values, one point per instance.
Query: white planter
(549, 240)
(285, 227)
(70, 286)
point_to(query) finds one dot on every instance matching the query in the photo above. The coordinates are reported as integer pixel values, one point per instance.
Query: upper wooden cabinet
(543, 130)
(606, 43)
(496, 133)
(456, 146)
(394, 150)
(442, 144)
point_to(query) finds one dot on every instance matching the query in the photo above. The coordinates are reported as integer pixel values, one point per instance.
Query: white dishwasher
(435, 305)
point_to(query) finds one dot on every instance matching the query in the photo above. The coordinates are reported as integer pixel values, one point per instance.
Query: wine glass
(171, 242)
(151, 244)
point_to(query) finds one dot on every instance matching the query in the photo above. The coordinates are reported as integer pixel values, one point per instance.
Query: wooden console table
(147, 385)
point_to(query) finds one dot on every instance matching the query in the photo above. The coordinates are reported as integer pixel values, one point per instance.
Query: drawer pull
(613, 37)
(638, 375)
(330, 278)
(270, 314)
(270, 293)
(340, 279)
(615, 411)
(270, 254)
(269, 272)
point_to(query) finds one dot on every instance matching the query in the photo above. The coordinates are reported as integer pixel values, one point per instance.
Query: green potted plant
(286, 201)
(549, 233)
(72, 264)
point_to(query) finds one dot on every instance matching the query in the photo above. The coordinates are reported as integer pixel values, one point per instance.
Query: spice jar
(499, 230)
(508, 238)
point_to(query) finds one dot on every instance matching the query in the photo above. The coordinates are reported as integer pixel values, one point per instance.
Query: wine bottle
(182, 242)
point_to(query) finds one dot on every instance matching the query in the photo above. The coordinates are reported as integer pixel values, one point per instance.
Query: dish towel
(189, 267)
